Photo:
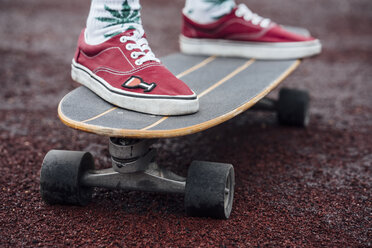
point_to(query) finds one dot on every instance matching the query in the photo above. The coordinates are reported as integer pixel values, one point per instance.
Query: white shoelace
(248, 15)
(145, 54)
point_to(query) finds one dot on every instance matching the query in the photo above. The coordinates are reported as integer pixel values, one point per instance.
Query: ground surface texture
(294, 187)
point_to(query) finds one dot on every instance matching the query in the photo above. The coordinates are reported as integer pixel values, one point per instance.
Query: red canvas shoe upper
(241, 25)
(126, 63)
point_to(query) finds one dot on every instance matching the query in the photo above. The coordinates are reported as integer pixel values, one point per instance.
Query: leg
(108, 18)
(207, 11)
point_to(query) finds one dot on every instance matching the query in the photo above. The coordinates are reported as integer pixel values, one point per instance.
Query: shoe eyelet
(238, 14)
(255, 23)
(133, 55)
(123, 39)
(129, 47)
(137, 62)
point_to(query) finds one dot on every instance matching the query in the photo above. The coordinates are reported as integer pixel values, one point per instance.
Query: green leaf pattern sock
(207, 11)
(108, 18)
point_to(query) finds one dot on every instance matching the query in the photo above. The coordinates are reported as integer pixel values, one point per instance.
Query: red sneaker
(125, 72)
(245, 34)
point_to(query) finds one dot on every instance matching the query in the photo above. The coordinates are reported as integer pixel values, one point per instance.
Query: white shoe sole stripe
(269, 51)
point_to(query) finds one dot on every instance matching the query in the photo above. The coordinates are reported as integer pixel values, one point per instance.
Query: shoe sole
(258, 50)
(149, 104)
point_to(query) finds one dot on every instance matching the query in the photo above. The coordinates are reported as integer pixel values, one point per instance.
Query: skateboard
(225, 86)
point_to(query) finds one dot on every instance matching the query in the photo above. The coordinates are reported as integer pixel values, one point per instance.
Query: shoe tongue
(133, 32)
(128, 32)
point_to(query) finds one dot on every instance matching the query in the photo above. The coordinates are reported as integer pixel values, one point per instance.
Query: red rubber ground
(295, 187)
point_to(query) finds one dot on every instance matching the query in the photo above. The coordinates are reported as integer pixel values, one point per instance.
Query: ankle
(204, 11)
(108, 18)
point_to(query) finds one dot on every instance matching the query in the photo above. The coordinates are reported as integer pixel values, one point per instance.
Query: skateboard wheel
(293, 107)
(60, 177)
(209, 190)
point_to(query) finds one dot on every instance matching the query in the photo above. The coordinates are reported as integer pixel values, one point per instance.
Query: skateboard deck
(225, 86)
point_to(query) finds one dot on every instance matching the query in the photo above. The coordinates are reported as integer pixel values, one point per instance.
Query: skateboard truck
(68, 177)
(130, 157)
(133, 168)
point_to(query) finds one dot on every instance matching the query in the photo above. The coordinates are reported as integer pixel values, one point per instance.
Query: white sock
(108, 18)
(207, 11)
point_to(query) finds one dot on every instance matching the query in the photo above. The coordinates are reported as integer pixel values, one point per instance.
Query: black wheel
(60, 177)
(209, 190)
(293, 107)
